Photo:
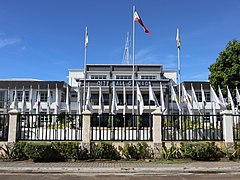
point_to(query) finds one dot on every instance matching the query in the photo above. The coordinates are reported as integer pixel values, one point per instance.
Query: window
(207, 96)
(98, 77)
(2, 93)
(148, 77)
(123, 77)
(19, 95)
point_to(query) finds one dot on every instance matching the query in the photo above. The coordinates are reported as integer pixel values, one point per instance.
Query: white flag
(230, 100)
(140, 100)
(195, 100)
(115, 101)
(14, 104)
(30, 100)
(174, 97)
(223, 103)
(24, 103)
(187, 99)
(163, 108)
(178, 38)
(237, 96)
(100, 101)
(67, 100)
(124, 100)
(56, 101)
(79, 99)
(88, 100)
(8, 100)
(48, 100)
(38, 102)
(152, 96)
(213, 95)
(204, 102)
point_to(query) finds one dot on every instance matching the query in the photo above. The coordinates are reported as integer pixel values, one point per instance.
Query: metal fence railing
(236, 127)
(121, 128)
(192, 128)
(49, 127)
(4, 123)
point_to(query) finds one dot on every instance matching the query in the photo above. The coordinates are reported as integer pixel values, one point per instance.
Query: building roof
(19, 83)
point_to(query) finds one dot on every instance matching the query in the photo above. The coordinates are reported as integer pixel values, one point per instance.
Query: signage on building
(120, 83)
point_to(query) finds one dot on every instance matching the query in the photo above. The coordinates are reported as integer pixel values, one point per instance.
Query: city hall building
(101, 75)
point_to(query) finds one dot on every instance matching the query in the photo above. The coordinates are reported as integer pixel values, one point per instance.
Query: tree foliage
(226, 70)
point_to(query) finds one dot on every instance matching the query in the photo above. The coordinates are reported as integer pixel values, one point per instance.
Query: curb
(162, 170)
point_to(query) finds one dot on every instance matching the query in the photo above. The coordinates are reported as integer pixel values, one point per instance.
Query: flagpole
(133, 61)
(179, 65)
(85, 64)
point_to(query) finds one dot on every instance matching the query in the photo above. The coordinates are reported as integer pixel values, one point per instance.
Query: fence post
(157, 133)
(12, 128)
(228, 129)
(86, 131)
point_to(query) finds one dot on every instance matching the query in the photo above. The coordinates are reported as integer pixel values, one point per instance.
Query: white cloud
(8, 42)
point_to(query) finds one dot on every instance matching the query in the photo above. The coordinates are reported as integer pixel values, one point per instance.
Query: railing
(192, 128)
(49, 127)
(236, 127)
(121, 128)
(4, 123)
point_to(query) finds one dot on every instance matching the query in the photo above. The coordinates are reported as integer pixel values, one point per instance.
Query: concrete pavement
(119, 167)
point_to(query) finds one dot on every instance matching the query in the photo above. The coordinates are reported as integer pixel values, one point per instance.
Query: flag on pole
(38, 102)
(204, 102)
(187, 99)
(8, 100)
(137, 18)
(24, 104)
(124, 100)
(195, 100)
(67, 100)
(56, 101)
(86, 38)
(140, 99)
(100, 101)
(115, 101)
(30, 100)
(152, 96)
(230, 99)
(48, 100)
(88, 100)
(178, 38)
(79, 99)
(174, 98)
(163, 108)
(223, 103)
(14, 104)
(213, 95)
(237, 96)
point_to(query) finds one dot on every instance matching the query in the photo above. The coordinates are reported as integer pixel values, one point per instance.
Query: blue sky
(42, 39)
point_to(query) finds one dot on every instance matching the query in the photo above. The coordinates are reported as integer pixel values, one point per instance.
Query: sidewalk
(118, 167)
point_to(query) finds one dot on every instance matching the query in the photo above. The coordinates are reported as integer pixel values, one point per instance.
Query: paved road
(97, 176)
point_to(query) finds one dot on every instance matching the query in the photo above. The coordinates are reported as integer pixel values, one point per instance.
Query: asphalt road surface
(77, 176)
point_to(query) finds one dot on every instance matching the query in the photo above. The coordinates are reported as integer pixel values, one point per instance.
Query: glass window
(98, 76)
(2, 93)
(148, 77)
(19, 95)
(123, 77)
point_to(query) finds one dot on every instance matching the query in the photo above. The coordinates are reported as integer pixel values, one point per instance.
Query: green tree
(226, 70)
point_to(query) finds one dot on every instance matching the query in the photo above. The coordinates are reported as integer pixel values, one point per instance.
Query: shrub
(42, 152)
(105, 150)
(18, 151)
(173, 152)
(202, 151)
(71, 150)
(138, 151)
(8, 150)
